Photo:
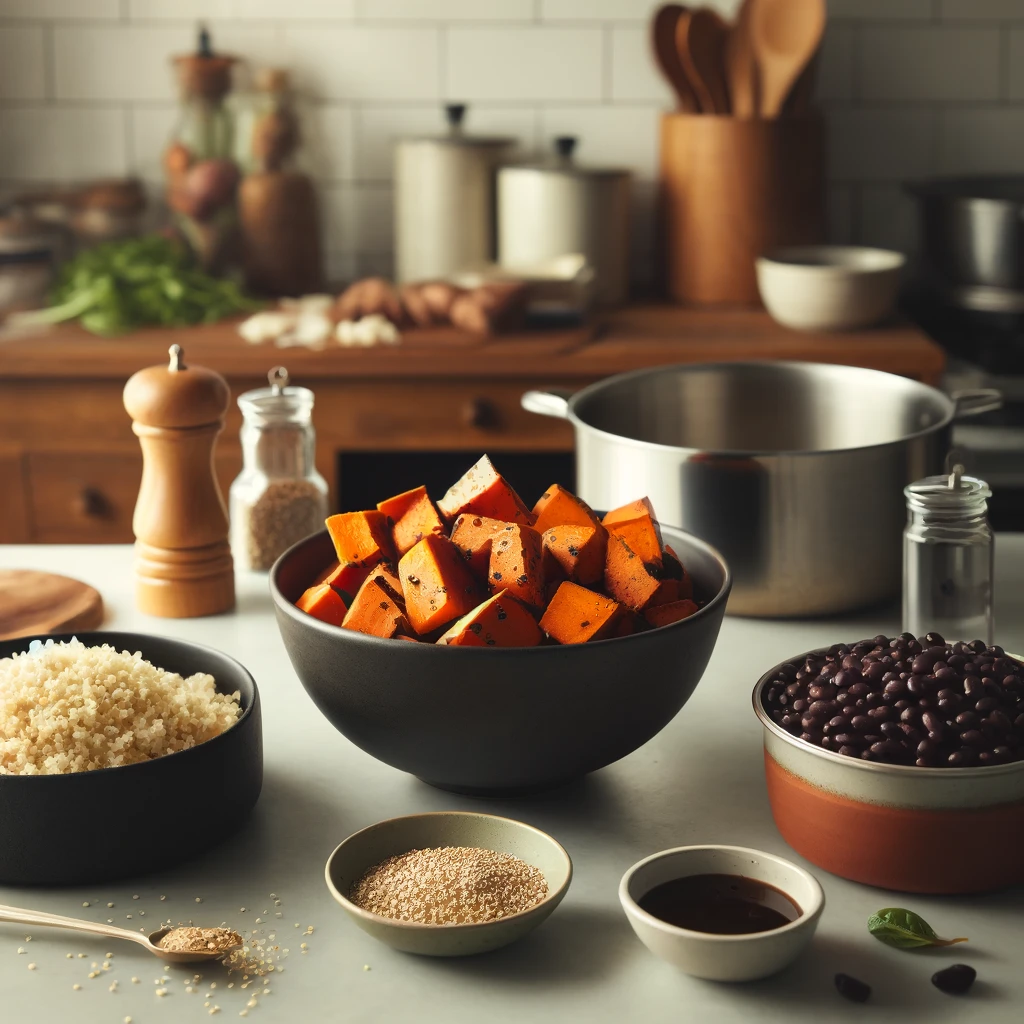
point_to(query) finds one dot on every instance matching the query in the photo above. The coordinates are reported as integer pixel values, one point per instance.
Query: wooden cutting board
(40, 603)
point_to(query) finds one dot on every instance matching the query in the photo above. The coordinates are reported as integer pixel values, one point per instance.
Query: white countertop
(700, 780)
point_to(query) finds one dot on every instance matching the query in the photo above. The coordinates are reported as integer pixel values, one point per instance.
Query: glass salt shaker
(947, 558)
(279, 497)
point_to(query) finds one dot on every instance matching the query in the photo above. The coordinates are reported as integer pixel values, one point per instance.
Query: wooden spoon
(700, 38)
(19, 916)
(786, 35)
(740, 67)
(666, 55)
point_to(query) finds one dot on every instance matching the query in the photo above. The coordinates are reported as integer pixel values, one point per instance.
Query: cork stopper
(176, 395)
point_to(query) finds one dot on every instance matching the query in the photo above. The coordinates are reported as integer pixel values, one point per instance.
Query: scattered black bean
(852, 989)
(955, 979)
(905, 700)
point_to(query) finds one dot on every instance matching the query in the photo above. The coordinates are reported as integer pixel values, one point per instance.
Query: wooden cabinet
(70, 465)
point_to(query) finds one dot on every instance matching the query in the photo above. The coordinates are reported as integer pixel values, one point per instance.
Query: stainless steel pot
(972, 240)
(794, 471)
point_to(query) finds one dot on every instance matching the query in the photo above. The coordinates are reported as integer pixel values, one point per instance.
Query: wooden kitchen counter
(71, 465)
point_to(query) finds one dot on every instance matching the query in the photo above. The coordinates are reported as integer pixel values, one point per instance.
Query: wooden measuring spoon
(740, 67)
(700, 38)
(666, 55)
(786, 35)
(148, 942)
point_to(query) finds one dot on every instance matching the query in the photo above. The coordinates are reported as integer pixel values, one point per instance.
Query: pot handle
(547, 403)
(975, 401)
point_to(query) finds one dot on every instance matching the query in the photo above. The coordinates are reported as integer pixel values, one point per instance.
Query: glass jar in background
(948, 558)
(199, 162)
(279, 497)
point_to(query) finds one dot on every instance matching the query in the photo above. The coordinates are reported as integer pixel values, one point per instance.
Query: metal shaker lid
(561, 161)
(455, 114)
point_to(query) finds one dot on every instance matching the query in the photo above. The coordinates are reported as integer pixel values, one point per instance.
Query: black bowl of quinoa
(64, 824)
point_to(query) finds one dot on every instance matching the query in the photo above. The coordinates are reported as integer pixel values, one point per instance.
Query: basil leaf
(903, 929)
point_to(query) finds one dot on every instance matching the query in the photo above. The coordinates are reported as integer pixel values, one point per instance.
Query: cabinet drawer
(89, 498)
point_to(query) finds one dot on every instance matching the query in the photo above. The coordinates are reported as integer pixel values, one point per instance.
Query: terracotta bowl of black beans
(899, 762)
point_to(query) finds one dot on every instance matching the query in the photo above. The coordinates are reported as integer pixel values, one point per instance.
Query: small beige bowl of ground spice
(449, 883)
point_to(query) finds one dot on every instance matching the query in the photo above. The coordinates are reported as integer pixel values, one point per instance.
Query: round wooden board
(37, 603)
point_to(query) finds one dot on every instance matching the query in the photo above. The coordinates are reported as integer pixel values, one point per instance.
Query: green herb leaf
(903, 929)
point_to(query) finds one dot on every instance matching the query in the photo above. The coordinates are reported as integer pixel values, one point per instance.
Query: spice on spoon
(187, 939)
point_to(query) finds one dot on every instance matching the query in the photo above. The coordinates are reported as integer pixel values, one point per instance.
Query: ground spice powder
(450, 885)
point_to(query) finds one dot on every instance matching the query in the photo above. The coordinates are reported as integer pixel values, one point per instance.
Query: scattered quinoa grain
(21, 949)
(108, 955)
(77, 987)
(135, 981)
(86, 903)
(31, 967)
(161, 992)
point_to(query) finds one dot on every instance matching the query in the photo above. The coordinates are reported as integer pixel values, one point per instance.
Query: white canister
(549, 209)
(444, 201)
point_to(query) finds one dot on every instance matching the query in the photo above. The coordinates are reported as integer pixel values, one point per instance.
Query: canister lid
(278, 403)
(176, 395)
(455, 114)
(561, 162)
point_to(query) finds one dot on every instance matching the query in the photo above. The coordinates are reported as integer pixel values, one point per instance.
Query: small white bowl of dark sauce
(724, 913)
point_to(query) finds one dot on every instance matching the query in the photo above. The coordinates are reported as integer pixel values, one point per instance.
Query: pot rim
(898, 770)
(591, 389)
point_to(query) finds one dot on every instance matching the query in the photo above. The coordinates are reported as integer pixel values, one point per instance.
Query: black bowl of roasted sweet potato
(486, 647)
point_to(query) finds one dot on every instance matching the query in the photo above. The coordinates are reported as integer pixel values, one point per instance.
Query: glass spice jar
(948, 558)
(279, 497)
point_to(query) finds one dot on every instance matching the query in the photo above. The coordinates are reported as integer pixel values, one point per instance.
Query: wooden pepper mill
(183, 565)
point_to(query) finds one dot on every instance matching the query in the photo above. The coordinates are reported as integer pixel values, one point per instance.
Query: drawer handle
(91, 504)
(480, 413)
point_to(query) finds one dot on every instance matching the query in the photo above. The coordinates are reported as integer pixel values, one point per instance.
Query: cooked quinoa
(70, 708)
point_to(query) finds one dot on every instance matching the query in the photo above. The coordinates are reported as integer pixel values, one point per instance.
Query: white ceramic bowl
(829, 287)
(722, 957)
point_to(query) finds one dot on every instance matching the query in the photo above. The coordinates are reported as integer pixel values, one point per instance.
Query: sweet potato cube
(576, 553)
(667, 592)
(437, 584)
(412, 516)
(323, 602)
(472, 535)
(483, 491)
(374, 611)
(345, 579)
(559, 507)
(627, 577)
(663, 614)
(386, 577)
(501, 621)
(576, 615)
(636, 524)
(361, 538)
(673, 569)
(517, 564)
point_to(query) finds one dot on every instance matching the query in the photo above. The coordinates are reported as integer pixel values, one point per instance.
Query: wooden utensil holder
(731, 189)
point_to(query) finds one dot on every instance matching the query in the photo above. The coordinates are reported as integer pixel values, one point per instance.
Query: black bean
(852, 988)
(853, 684)
(847, 739)
(967, 720)
(955, 980)
(933, 640)
(933, 723)
(892, 731)
(972, 737)
(985, 705)
(861, 723)
(793, 689)
(897, 687)
(821, 691)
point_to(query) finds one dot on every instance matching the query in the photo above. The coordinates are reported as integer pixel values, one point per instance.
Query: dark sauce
(720, 904)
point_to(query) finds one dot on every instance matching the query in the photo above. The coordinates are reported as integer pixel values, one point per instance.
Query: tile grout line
(1004, 62)
(49, 65)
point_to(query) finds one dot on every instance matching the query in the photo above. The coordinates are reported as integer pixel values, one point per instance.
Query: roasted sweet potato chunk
(323, 602)
(346, 579)
(437, 584)
(663, 614)
(516, 564)
(667, 592)
(412, 516)
(361, 538)
(576, 615)
(374, 611)
(636, 525)
(472, 535)
(559, 507)
(673, 569)
(576, 553)
(386, 577)
(501, 621)
(483, 491)
(627, 577)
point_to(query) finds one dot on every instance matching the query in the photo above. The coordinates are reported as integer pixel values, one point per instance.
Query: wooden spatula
(740, 68)
(700, 37)
(786, 35)
(666, 55)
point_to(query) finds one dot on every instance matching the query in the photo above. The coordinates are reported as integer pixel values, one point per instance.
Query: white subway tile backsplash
(888, 218)
(834, 69)
(880, 144)
(150, 131)
(50, 143)
(634, 73)
(1016, 69)
(378, 128)
(839, 212)
(328, 141)
(363, 63)
(978, 10)
(524, 64)
(932, 63)
(979, 140)
(871, 9)
(445, 10)
(253, 10)
(617, 136)
(78, 9)
(358, 218)
(22, 64)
